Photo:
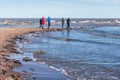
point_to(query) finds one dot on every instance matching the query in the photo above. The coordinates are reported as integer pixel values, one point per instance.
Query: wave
(55, 22)
(10, 22)
(6, 22)
(63, 71)
(116, 21)
(103, 34)
(80, 40)
(86, 21)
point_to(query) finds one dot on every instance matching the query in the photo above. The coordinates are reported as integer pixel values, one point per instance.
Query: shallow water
(33, 70)
(83, 54)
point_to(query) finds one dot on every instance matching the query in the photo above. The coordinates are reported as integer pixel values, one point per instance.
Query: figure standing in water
(63, 21)
(68, 23)
(40, 23)
(49, 19)
(43, 22)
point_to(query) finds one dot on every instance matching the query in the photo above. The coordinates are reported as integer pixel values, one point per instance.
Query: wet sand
(6, 47)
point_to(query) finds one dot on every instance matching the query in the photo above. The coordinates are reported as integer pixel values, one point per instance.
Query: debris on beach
(26, 73)
(26, 59)
(13, 77)
(39, 52)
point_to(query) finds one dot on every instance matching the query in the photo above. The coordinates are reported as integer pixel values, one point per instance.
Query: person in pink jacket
(43, 22)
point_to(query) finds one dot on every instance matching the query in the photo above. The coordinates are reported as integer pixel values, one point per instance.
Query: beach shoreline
(7, 47)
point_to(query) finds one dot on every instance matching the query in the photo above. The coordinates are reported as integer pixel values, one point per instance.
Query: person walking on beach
(63, 21)
(43, 22)
(40, 23)
(68, 23)
(49, 19)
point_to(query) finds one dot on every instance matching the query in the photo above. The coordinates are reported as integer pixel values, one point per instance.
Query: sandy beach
(6, 46)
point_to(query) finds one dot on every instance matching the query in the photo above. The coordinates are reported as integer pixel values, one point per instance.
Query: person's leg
(62, 25)
(67, 25)
(48, 25)
(42, 26)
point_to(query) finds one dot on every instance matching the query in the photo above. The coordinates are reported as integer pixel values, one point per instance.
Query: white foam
(86, 21)
(117, 21)
(52, 67)
(58, 22)
(60, 70)
(42, 62)
(113, 77)
(34, 59)
(74, 22)
(53, 21)
(64, 72)
(7, 22)
(19, 47)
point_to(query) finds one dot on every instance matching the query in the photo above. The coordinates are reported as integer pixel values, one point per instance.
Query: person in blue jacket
(49, 19)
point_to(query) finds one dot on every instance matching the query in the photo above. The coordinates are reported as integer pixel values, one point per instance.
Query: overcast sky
(60, 8)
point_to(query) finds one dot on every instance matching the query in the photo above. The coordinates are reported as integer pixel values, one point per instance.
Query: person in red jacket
(43, 22)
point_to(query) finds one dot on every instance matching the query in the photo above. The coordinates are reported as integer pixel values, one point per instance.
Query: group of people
(42, 22)
(63, 22)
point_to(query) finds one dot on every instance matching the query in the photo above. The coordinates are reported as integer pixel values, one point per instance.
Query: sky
(60, 8)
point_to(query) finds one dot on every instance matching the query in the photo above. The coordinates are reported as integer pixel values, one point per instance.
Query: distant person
(49, 19)
(68, 23)
(43, 22)
(63, 22)
(40, 23)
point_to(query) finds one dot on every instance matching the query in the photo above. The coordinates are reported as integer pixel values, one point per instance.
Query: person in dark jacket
(40, 23)
(63, 21)
(43, 22)
(68, 23)
(49, 19)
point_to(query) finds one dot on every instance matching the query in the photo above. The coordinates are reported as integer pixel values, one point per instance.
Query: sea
(89, 51)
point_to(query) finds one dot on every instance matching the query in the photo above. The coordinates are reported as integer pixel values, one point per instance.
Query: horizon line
(68, 17)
